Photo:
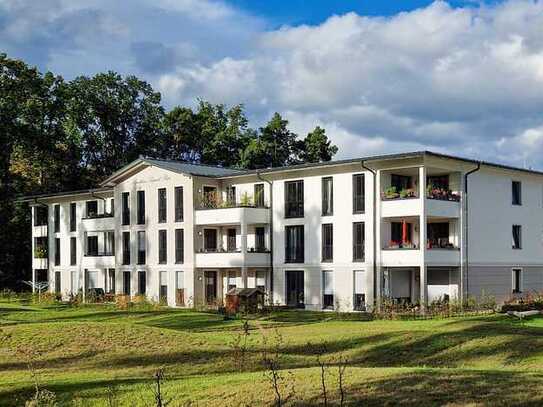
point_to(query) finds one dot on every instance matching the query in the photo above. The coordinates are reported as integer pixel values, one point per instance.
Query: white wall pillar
(422, 227)
(243, 231)
(33, 279)
(378, 273)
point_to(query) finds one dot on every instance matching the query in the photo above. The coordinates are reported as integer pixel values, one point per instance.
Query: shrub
(122, 302)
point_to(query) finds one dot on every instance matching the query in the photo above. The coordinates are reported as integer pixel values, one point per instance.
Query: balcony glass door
(210, 240)
(295, 289)
(210, 286)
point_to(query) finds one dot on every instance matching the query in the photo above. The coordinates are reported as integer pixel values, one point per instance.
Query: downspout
(465, 244)
(376, 284)
(270, 183)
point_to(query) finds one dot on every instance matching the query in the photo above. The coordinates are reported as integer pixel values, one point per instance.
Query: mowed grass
(83, 354)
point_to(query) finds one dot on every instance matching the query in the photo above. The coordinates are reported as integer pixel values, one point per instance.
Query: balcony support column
(243, 235)
(422, 242)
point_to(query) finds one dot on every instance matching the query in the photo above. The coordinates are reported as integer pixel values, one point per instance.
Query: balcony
(443, 256)
(40, 263)
(98, 260)
(99, 222)
(232, 215)
(401, 256)
(221, 259)
(39, 230)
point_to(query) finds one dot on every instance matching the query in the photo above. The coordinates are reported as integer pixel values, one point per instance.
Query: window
(126, 248)
(73, 213)
(126, 208)
(294, 244)
(112, 207)
(358, 241)
(260, 242)
(110, 289)
(516, 192)
(517, 237)
(91, 209)
(73, 251)
(438, 181)
(141, 247)
(57, 219)
(328, 289)
(92, 245)
(163, 287)
(57, 252)
(142, 282)
(179, 246)
(259, 195)
(141, 208)
(126, 282)
(162, 247)
(210, 240)
(231, 195)
(438, 235)
(231, 244)
(401, 182)
(294, 199)
(109, 243)
(57, 282)
(327, 196)
(402, 234)
(178, 198)
(359, 295)
(261, 280)
(40, 215)
(327, 242)
(517, 280)
(232, 280)
(40, 247)
(161, 205)
(358, 193)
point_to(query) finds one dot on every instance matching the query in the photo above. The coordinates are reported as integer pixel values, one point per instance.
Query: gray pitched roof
(193, 169)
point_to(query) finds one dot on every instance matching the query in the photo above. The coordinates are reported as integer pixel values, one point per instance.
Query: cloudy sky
(381, 76)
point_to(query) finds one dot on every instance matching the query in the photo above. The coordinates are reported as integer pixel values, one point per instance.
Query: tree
(279, 142)
(316, 147)
(114, 119)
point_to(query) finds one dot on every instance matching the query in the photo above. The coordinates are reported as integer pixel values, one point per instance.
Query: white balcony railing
(236, 215)
(232, 259)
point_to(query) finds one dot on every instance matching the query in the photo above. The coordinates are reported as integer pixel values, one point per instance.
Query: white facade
(413, 247)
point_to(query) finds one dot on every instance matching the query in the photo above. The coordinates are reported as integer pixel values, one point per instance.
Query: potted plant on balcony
(40, 252)
(246, 200)
(390, 193)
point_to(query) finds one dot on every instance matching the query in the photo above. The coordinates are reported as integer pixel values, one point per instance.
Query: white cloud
(467, 81)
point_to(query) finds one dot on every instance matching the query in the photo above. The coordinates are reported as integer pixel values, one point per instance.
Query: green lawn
(83, 354)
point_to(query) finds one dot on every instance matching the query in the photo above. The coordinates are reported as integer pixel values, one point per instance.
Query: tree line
(59, 135)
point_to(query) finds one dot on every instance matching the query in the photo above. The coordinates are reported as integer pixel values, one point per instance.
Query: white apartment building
(413, 227)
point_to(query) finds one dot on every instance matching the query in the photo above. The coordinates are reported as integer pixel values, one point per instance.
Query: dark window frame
(162, 246)
(162, 205)
(327, 242)
(73, 251)
(41, 213)
(359, 193)
(142, 282)
(516, 237)
(359, 252)
(56, 220)
(126, 249)
(258, 191)
(327, 201)
(516, 280)
(89, 213)
(516, 193)
(178, 203)
(294, 199)
(73, 217)
(260, 238)
(294, 251)
(327, 299)
(179, 246)
(140, 198)
(142, 254)
(125, 198)
(57, 251)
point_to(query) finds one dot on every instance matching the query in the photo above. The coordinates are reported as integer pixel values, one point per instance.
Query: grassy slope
(471, 361)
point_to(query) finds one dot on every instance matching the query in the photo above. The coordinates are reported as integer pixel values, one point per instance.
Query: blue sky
(458, 77)
(294, 12)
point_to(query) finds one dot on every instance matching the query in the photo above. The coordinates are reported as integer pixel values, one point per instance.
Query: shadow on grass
(439, 387)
